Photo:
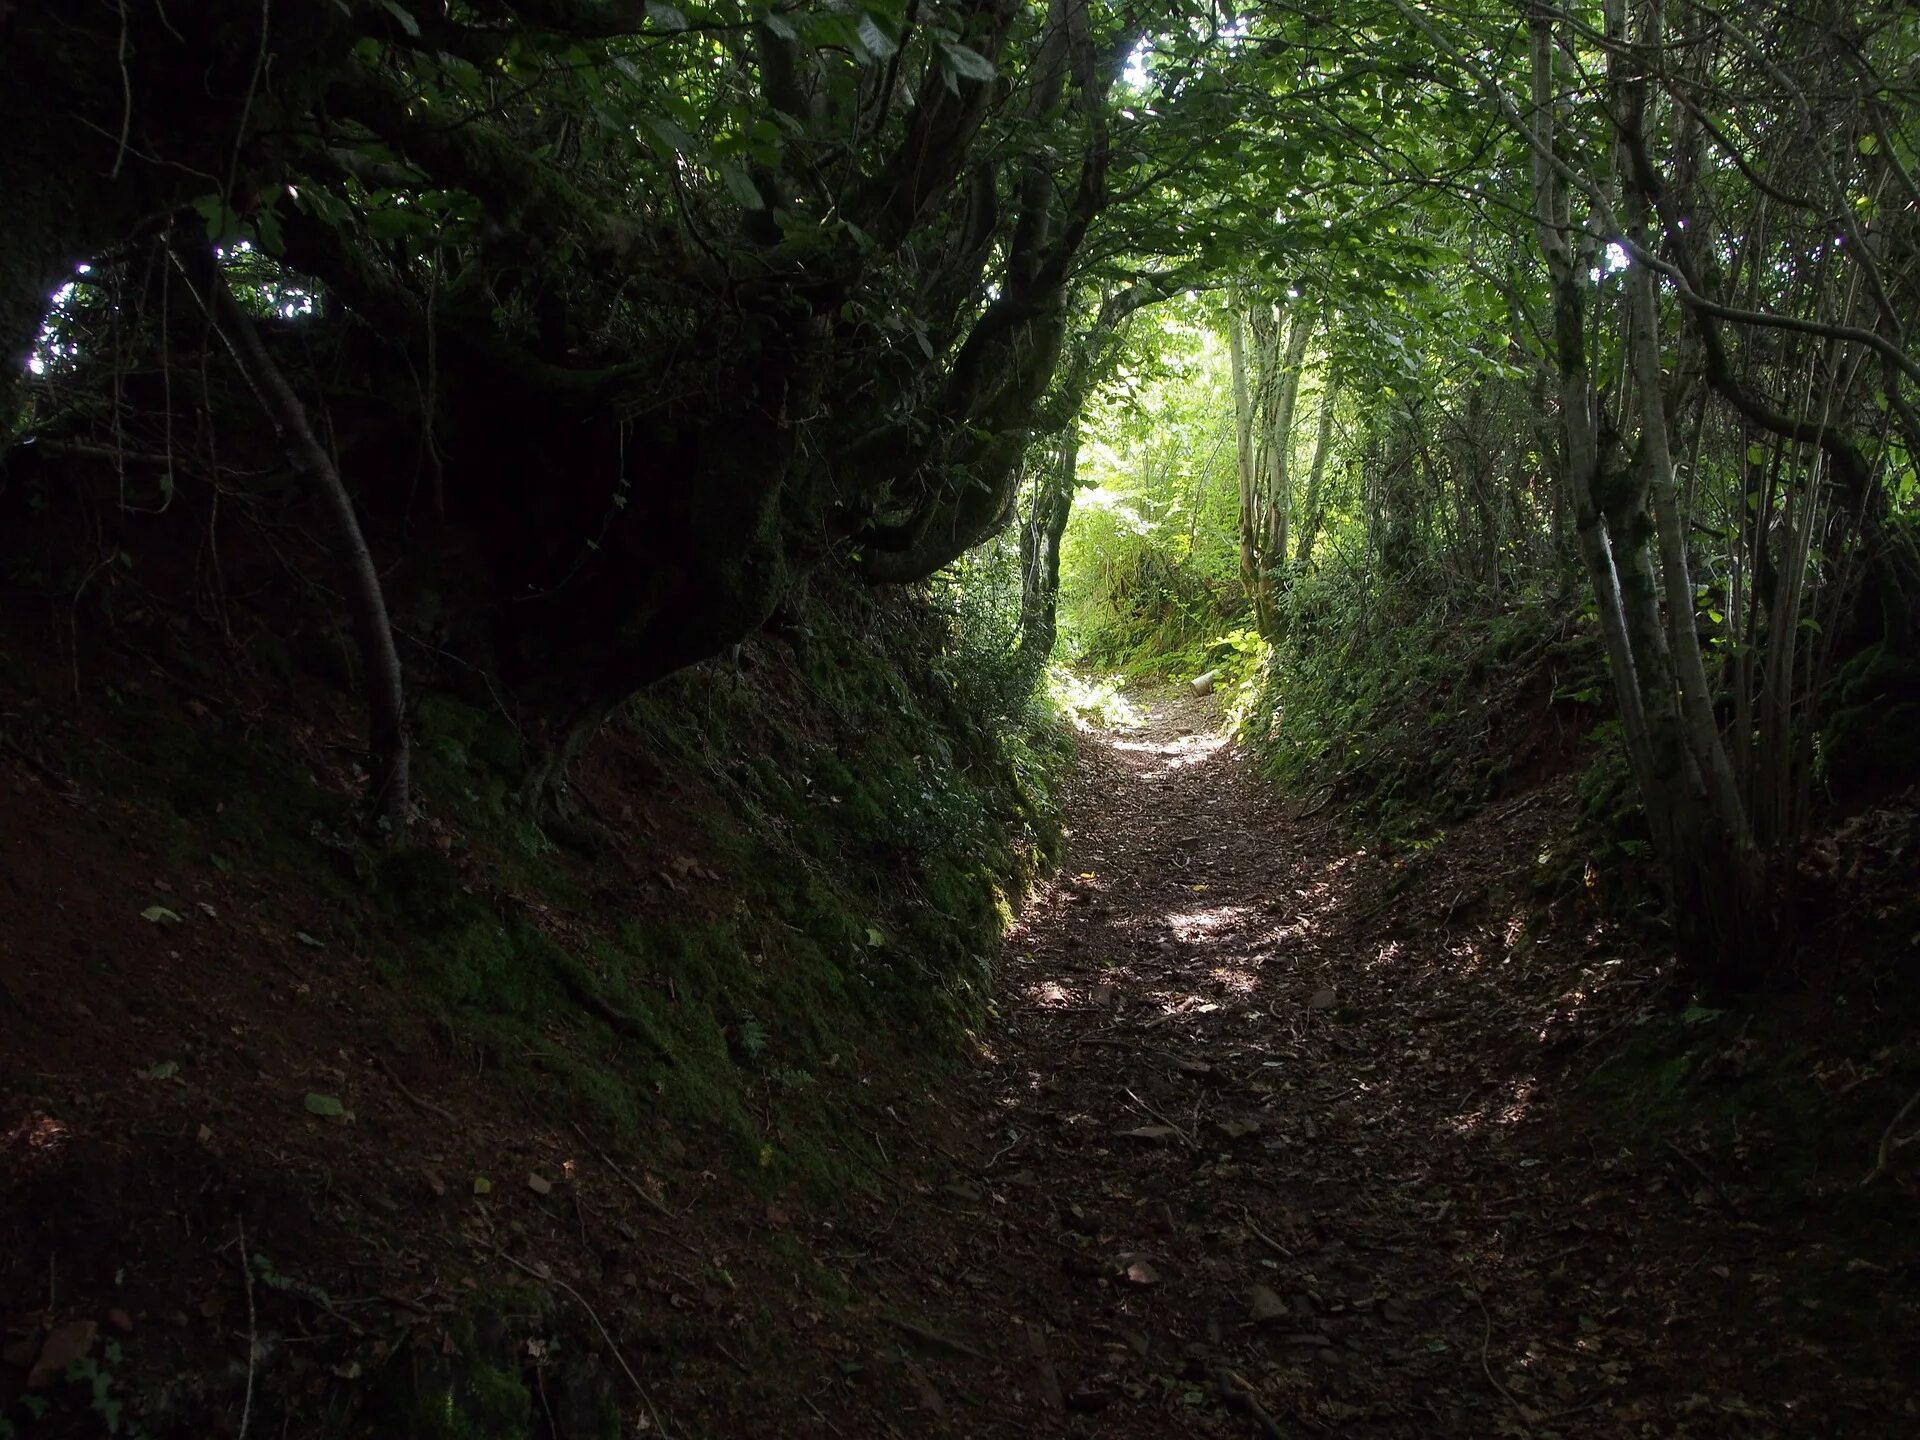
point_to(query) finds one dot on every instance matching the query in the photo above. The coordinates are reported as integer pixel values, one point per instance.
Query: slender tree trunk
(1727, 870)
(1582, 457)
(1310, 510)
(1040, 557)
(1243, 436)
(389, 800)
(1286, 391)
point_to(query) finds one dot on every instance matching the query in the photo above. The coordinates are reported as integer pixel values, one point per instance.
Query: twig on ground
(1239, 1395)
(821, 1413)
(1272, 1243)
(1184, 1138)
(1884, 1151)
(253, 1328)
(1702, 1172)
(1486, 1367)
(593, 1315)
(652, 1202)
(427, 1105)
(933, 1338)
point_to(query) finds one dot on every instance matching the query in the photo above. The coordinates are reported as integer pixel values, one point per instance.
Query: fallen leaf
(160, 915)
(1153, 1134)
(482, 1185)
(325, 1105)
(1323, 999)
(1139, 1272)
(539, 1184)
(64, 1345)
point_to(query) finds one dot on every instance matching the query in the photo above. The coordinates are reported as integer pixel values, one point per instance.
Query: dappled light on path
(1277, 1106)
(1178, 754)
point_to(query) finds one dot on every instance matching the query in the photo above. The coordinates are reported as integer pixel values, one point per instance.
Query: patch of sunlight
(1520, 1101)
(1391, 953)
(1234, 981)
(1050, 995)
(1466, 956)
(1472, 1122)
(1565, 1014)
(1092, 702)
(1204, 924)
(1180, 753)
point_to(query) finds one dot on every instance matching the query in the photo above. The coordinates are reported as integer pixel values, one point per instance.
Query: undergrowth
(810, 852)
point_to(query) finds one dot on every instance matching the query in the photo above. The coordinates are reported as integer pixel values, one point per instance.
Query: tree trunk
(1310, 511)
(1243, 436)
(389, 799)
(1040, 557)
(1285, 391)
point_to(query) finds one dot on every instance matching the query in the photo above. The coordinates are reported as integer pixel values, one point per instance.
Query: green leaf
(405, 18)
(874, 38)
(672, 135)
(968, 64)
(397, 223)
(325, 1105)
(482, 1185)
(222, 223)
(160, 915)
(875, 936)
(741, 187)
(313, 942)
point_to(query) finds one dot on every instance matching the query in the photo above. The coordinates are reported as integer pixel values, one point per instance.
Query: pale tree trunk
(1040, 556)
(1728, 863)
(389, 800)
(1285, 391)
(1579, 415)
(1243, 437)
(1310, 509)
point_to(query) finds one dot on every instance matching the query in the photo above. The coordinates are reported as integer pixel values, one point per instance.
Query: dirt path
(1263, 1146)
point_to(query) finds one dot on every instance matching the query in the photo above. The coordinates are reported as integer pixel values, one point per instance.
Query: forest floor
(1274, 1134)
(1278, 1137)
